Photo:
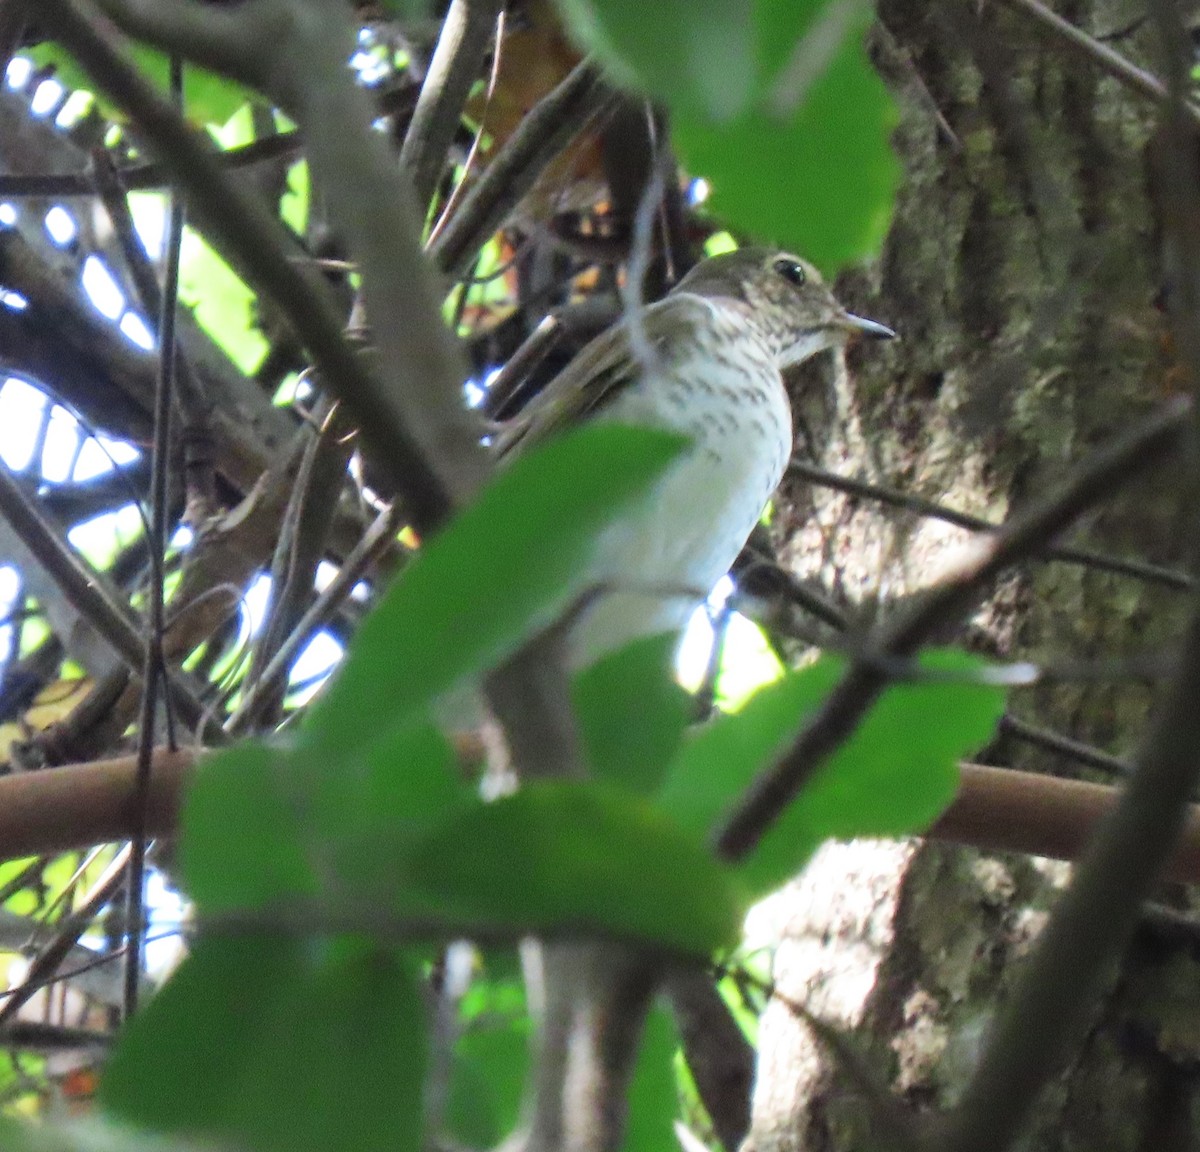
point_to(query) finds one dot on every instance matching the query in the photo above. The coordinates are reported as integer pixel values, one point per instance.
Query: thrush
(706, 361)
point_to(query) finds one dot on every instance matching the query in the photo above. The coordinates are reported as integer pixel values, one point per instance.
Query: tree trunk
(1021, 272)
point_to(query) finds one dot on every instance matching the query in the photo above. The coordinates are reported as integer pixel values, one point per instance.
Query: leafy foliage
(773, 101)
(489, 578)
(307, 1032)
(209, 98)
(278, 1044)
(581, 857)
(893, 777)
(632, 712)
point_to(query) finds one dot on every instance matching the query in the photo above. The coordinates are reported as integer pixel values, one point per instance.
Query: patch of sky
(166, 910)
(10, 587)
(17, 74)
(101, 454)
(46, 97)
(696, 645)
(61, 226)
(21, 412)
(13, 300)
(74, 109)
(102, 537)
(254, 604)
(474, 393)
(325, 575)
(320, 656)
(102, 288)
(62, 444)
(135, 329)
(149, 212)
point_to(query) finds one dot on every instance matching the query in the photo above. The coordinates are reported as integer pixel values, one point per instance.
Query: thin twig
(375, 542)
(544, 132)
(154, 668)
(1089, 48)
(301, 544)
(1086, 754)
(1138, 569)
(142, 177)
(73, 926)
(88, 593)
(245, 230)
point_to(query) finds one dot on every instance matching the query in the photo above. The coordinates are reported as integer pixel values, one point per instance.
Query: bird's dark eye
(791, 270)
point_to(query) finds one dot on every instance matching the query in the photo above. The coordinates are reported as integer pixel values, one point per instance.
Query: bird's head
(785, 297)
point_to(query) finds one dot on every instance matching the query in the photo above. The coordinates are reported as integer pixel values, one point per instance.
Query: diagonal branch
(466, 31)
(1104, 472)
(87, 592)
(413, 417)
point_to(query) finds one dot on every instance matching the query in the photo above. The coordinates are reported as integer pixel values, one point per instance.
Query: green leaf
(654, 1093)
(773, 101)
(491, 1059)
(631, 712)
(479, 586)
(569, 856)
(263, 826)
(893, 777)
(699, 56)
(221, 302)
(278, 1044)
(819, 180)
(243, 838)
(208, 98)
(371, 808)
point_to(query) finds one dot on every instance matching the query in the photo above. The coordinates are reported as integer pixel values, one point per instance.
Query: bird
(706, 361)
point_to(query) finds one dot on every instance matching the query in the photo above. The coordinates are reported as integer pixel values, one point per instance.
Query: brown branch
(544, 132)
(996, 809)
(466, 31)
(58, 809)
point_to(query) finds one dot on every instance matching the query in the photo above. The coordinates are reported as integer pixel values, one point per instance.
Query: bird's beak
(864, 327)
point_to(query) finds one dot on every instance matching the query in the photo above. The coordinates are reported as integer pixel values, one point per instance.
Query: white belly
(664, 557)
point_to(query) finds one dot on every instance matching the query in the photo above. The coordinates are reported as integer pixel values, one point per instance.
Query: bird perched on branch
(706, 361)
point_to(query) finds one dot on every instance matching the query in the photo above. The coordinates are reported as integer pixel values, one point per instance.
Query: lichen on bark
(1022, 273)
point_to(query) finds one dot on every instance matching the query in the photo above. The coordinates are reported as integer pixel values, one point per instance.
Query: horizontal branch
(996, 809)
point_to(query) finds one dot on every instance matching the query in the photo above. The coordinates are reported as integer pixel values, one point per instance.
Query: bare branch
(466, 30)
(87, 591)
(543, 134)
(1089, 48)
(419, 355)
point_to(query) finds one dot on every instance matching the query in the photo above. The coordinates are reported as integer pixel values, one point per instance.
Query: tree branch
(1106, 470)
(466, 31)
(434, 459)
(544, 132)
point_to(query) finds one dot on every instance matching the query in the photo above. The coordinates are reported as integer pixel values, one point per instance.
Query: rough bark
(1021, 272)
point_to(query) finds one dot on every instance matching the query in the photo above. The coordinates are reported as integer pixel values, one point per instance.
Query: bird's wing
(597, 375)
